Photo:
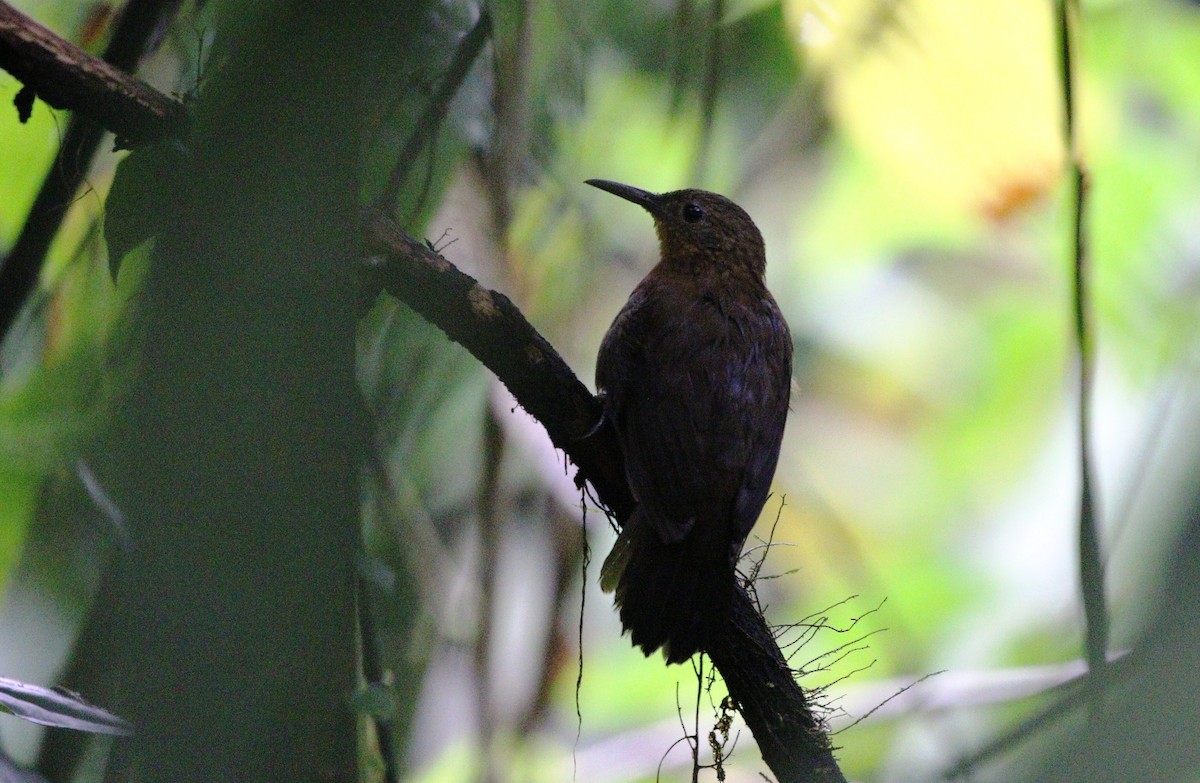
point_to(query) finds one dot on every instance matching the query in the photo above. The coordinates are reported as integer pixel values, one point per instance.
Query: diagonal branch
(491, 327)
(66, 77)
(790, 735)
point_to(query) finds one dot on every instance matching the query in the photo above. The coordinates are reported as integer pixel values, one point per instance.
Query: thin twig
(584, 562)
(1091, 568)
(698, 664)
(881, 704)
(1069, 696)
(426, 127)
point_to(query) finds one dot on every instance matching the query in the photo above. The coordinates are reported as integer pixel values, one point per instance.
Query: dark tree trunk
(236, 457)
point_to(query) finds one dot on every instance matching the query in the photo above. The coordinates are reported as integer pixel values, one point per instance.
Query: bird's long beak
(651, 202)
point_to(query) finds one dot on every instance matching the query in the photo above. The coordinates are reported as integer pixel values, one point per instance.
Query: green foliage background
(928, 469)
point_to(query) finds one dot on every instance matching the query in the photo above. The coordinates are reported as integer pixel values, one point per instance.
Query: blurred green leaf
(18, 501)
(376, 700)
(26, 151)
(143, 189)
(58, 707)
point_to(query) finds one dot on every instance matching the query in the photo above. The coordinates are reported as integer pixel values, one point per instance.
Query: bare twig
(584, 562)
(881, 704)
(426, 127)
(491, 327)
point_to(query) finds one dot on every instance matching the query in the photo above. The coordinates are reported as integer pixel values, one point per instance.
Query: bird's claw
(598, 425)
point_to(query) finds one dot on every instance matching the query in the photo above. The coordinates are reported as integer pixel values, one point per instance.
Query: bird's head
(698, 229)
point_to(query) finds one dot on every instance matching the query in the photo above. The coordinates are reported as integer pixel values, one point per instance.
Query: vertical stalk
(1091, 571)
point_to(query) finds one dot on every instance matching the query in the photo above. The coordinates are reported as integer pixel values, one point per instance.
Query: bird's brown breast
(696, 380)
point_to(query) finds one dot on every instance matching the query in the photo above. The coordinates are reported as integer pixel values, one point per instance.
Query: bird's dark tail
(671, 596)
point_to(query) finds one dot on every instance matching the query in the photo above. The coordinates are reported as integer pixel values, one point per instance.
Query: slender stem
(1091, 569)
(709, 89)
(696, 719)
(374, 674)
(1068, 697)
(426, 127)
(489, 534)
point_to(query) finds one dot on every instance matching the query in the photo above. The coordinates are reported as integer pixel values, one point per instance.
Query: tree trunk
(235, 458)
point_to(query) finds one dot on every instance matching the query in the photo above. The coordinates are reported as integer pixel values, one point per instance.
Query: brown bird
(695, 374)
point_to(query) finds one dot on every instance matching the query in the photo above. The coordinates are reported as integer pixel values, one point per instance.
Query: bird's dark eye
(692, 213)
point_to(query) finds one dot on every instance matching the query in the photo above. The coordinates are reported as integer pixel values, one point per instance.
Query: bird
(694, 375)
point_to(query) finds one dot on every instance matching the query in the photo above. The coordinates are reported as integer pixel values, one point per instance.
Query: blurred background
(904, 161)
